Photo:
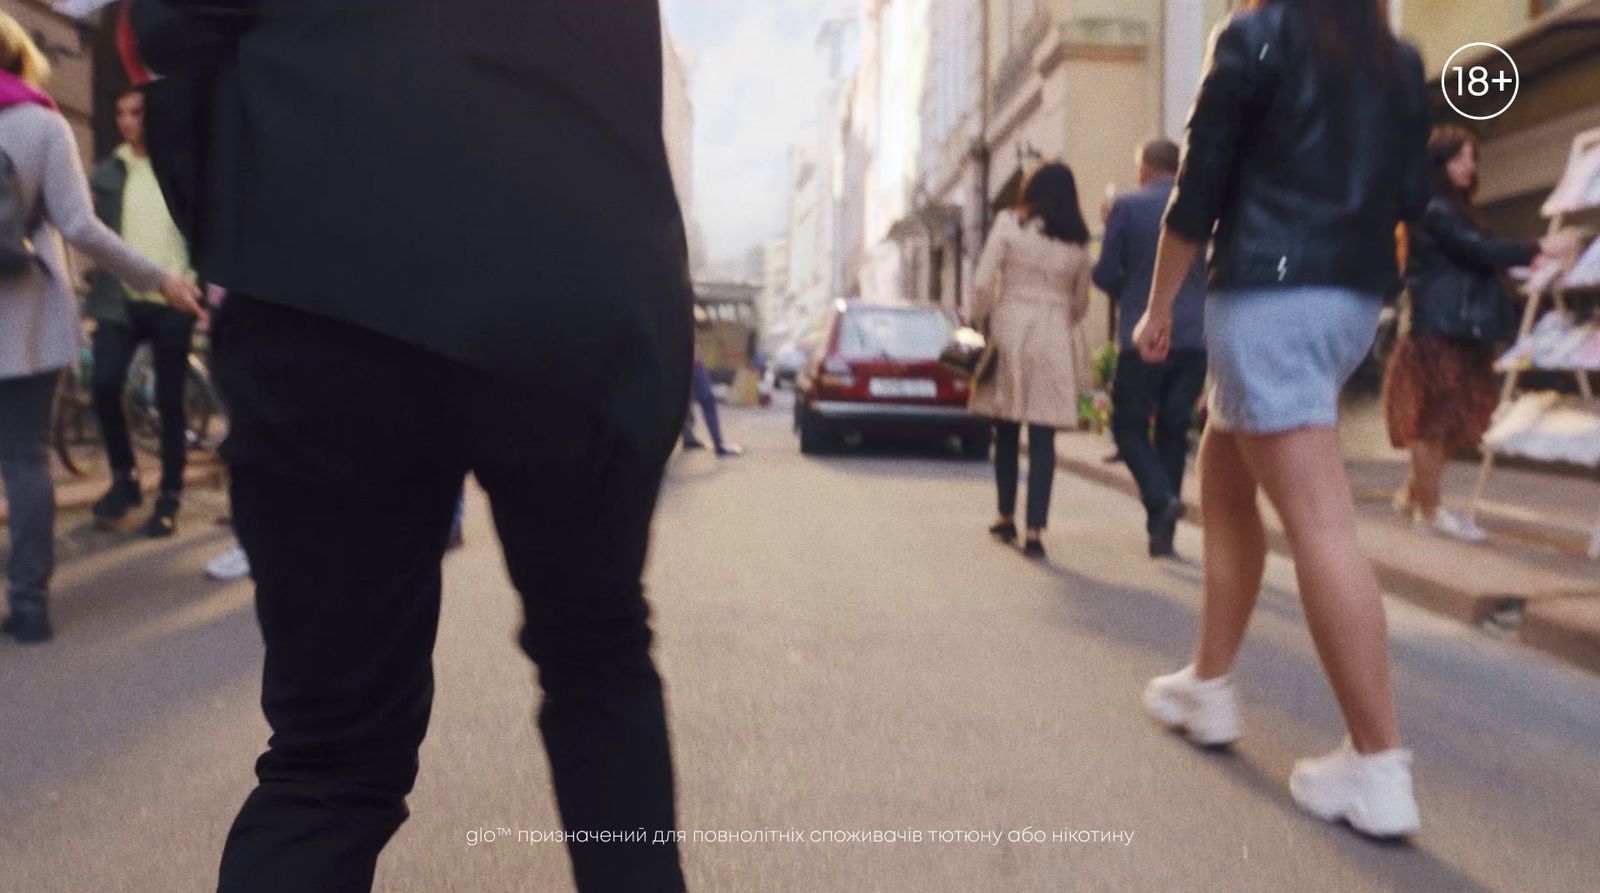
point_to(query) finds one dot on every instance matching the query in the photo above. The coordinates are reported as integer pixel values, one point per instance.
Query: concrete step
(1519, 585)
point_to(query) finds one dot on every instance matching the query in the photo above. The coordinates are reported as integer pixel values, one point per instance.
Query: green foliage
(1105, 365)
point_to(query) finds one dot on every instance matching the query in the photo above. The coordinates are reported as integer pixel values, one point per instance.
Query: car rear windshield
(894, 334)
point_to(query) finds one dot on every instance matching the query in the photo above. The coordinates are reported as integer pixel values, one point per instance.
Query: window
(894, 334)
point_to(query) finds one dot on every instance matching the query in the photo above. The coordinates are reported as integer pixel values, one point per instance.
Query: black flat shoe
(1164, 529)
(30, 628)
(1033, 549)
(1005, 531)
(164, 520)
(112, 509)
(1161, 545)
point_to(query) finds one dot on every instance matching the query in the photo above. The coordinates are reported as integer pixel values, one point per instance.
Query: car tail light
(836, 373)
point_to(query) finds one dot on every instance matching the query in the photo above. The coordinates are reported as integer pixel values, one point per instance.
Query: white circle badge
(1459, 82)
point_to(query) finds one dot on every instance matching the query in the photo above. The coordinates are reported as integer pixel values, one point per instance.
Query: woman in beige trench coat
(1032, 288)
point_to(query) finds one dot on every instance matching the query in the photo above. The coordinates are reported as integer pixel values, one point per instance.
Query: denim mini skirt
(1279, 356)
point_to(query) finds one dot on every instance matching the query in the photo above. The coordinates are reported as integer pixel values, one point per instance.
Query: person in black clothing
(128, 200)
(1440, 392)
(1167, 390)
(452, 244)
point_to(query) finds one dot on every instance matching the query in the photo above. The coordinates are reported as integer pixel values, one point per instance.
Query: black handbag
(1480, 312)
(970, 353)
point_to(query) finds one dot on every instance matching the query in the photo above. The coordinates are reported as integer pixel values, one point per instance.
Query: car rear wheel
(976, 446)
(814, 438)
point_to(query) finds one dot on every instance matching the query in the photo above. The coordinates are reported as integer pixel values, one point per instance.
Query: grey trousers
(27, 406)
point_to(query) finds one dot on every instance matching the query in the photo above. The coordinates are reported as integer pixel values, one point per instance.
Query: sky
(755, 79)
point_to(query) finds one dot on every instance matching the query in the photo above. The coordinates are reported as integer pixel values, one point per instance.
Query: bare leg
(1304, 476)
(1427, 470)
(1235, 552)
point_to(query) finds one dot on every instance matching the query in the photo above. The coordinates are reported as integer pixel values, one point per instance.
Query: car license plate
(925, 388)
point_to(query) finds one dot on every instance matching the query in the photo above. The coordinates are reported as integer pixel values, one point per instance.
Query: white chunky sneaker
(1372, 792)
(1456, 527)
(1206, 711)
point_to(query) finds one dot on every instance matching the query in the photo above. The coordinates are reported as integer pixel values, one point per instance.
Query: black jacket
(1453, 272)
(485, 179)
(107, 301)
(1303, 173)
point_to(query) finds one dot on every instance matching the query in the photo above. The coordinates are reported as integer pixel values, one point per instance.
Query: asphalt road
(845, 652)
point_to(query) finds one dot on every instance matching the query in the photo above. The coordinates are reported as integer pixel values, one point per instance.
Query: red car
(876, 372)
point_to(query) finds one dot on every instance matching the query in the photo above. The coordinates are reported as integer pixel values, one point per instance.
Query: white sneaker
(1449, 524)
(1207, 711)
(230, 565)
(1372, 792)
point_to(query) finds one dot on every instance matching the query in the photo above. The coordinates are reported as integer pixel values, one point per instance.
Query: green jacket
(107, 301)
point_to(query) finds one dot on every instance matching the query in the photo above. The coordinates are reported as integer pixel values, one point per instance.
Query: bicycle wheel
(139, 402)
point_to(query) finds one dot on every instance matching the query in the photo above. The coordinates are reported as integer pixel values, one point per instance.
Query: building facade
(677, 126)
(951, 103)
(1556, 47)
(69, 44)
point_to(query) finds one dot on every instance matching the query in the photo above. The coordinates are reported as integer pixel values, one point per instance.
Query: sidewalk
(1531, 583)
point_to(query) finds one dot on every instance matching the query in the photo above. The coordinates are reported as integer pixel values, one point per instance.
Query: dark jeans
(348, 452)
(26, 408)
(1041, 469)
(707, 399)
(170, 334)
(1167, 393)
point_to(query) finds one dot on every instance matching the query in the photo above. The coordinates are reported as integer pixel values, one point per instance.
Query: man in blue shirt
(1167, 391)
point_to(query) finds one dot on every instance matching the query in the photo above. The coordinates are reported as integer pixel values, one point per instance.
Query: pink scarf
(16, 91)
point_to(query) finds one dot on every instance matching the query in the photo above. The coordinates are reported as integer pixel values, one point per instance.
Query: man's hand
(184, 296)
(1153, 336)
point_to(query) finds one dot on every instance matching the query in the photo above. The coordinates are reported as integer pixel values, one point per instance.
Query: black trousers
(347, 452)
(1041, 469)
(171, 334)
(1152, 407)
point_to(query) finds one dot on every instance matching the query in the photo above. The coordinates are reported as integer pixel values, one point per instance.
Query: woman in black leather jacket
(1439, 393)
(1305, 148)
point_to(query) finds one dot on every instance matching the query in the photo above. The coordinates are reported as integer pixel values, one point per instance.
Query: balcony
(1012, 72)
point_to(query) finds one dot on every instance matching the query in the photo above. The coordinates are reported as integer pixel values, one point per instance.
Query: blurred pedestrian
(1440, 391)
(42, 186)
(1306, 146)
(707, 398)
(448, 249)
(1032, 285)
(1157, 451)
(129, 201)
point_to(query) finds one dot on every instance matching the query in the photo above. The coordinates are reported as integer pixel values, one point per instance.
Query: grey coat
(39, 326)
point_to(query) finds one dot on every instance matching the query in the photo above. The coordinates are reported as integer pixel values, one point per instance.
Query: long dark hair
(1444, 144)
(1347, 32)
(1051, 195)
